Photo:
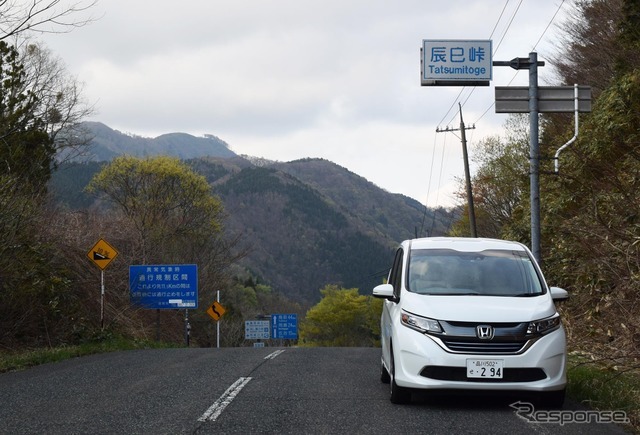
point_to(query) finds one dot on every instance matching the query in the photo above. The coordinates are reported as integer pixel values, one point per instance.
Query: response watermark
(527, 411)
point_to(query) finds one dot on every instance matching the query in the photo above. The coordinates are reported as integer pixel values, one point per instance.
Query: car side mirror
(384, 291)
(558, 294)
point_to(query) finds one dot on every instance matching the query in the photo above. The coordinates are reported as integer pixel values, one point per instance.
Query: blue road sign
(164, 286)
(284, 326)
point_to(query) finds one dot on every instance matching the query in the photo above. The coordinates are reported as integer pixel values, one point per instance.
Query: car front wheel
(399, 395)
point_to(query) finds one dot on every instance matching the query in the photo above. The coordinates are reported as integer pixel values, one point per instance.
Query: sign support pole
(531, 63)
(534, 156)
(102, 254)
(102, 300)
(218, 324)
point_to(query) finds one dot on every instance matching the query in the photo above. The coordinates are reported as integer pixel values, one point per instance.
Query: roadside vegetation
(23, 359)
(602, 385)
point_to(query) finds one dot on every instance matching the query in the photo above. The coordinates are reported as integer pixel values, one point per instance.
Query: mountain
(107, 143)
(308, 223)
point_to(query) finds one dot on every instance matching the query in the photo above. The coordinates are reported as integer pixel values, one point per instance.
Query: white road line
(227, 397)
(272, 355)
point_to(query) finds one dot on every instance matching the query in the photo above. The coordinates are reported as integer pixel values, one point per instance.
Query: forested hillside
(305, 224)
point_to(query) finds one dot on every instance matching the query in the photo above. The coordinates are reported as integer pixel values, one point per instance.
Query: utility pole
(467, 172)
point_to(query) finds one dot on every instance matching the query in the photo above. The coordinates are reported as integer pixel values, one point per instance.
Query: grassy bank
(24, 359)
(602, 385)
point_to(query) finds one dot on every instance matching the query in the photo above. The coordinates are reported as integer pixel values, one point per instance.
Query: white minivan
(471, 314)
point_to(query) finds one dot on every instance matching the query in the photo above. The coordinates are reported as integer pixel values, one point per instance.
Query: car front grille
(506, 338)
(484, 347)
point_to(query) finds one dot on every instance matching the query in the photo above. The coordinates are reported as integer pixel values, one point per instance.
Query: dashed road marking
(272, 355)
(227, 397)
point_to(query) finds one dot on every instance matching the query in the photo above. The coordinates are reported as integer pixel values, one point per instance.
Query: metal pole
(576, 108)
(534, 156)
(467, 177)
(102, 299)
(218, 324)
(187, 326)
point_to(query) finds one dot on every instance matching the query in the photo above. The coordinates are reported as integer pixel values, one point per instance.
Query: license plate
(485, 368)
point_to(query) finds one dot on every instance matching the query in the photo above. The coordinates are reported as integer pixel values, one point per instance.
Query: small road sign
(102, 254)
(256, 330)
(216, 311)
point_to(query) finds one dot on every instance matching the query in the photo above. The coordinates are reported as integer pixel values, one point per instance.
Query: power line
(548, 25)
(533, 49)
(515, 12)
(433, 221)
(508, 27)
(451, 107)
(494, 52)
(433, 158)
(499, 18)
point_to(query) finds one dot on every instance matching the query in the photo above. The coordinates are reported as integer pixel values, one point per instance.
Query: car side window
(395, 277)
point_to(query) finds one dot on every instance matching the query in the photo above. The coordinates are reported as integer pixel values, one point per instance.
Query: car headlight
(544, 326)
(421, 324)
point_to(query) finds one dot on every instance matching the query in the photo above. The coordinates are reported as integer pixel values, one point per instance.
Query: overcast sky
(289, 79)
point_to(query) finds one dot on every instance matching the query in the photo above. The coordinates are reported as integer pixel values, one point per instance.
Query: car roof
(465, 244)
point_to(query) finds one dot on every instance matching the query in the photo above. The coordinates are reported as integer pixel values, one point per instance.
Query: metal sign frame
(551, 99)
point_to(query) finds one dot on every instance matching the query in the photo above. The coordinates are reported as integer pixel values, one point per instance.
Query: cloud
(288, 79)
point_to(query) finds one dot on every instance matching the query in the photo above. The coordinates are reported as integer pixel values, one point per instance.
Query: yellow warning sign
(216, 311)
(102, 254)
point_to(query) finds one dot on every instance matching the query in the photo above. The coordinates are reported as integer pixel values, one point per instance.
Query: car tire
(385, 378)
(552, 399)
(399, 395)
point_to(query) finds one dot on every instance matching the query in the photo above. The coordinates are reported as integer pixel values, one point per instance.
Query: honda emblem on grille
(484, 332)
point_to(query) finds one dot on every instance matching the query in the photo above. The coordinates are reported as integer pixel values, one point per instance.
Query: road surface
(244, 391)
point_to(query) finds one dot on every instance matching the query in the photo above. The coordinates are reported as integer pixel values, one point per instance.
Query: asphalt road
(244, 391)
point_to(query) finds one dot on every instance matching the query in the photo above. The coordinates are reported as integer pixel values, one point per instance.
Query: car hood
(479, 308)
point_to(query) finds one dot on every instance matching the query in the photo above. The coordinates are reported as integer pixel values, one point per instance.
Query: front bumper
(420, 362)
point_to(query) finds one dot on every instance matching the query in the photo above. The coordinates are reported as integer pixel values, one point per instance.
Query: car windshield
(486, 273)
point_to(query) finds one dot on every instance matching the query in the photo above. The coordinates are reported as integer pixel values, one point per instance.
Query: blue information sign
(164, 285)
(284, 326)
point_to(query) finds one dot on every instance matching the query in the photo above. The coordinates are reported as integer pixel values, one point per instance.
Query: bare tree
(42, 16)
(589, 44)
(60, 104)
